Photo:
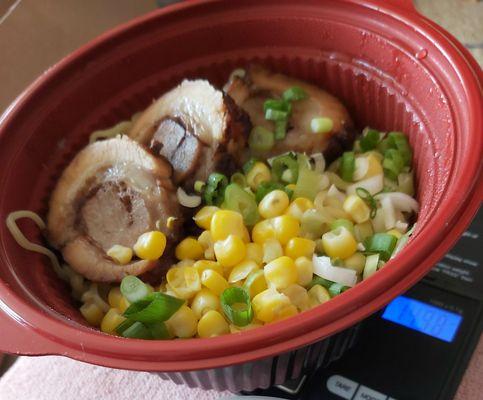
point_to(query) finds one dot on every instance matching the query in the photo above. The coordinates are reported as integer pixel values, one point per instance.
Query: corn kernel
(339, 243)
(212, 324)
(189, 249)
(114, 297)
(214, 281)
(258, 174)
(206, 241)
(120, 254)
(256, 283)
(203, 217)
(298, 296)
(300, 247)
(227, 222)
(375, 167)
(150, 245)
(298, 206)
(291, 186)
(184, 281)
(201, 265)
(255, 253)
(395, 233)
(363, 231)
(270, 304)
(318, 295)
(357, 261)
(273, 204)
(230, 251)
(262, 231)
(286, 312)
(242, 270)
(183, 322)
(305, 270)
(357, 208)
(123, 304)
(92, 313)
(285, 227)
(281, 272)
(272, 249)
(204, 301)
(111, 321)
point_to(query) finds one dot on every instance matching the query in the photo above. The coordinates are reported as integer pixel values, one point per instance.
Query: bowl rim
(93, 346)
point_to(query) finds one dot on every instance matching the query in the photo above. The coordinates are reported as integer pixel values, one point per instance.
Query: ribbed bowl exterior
(264, 373)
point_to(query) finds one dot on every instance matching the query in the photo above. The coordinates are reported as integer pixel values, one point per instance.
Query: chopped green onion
(199, 185)
(133, 288)
(276, 115)
(317, 280)
(371, 265)
(158, 330)
(304, 161)
(280, 129)
(308, 184)
(124, 325)
(237, 295)
(160, 307)
(336, 288)
(369, 140)
(215, 189)
(393, 163)
(137, 331)
(282, 163)
(321, 125)
(381, 243)
(240, 200)
(365, 195)
(400, 142)
(247, 167)
(261, 139)
(266, 187)
(251, 278)
(347, 166)
(294, 93)
(402, 241)
(239, 179)
(280, 105)
(342, 223)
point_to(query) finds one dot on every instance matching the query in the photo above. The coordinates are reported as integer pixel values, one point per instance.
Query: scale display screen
(422, 317)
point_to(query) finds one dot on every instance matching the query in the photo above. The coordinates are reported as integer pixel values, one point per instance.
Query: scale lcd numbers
(423, 317)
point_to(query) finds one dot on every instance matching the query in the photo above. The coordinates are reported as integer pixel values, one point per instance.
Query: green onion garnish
(381, 243)
(261, 139)
(294, 93)
(336, 289)
(198, 186)
(400, 142)
(369, 140)
(155, 307)
(371, 266)
(280, 105)
(124, 325)
(137, 331)
(347, 166)
(239, 179)
(215, 189)
(321, 125)
(308, 184)
(158, 330)
(280, 129)
(317, 280)
(247, 167)
(266, 187)
(344, 223)
(276, 115)
(239, 200)
(133, 288)
(369, 200)
(237, 306)
(393, 163)
(282, 163)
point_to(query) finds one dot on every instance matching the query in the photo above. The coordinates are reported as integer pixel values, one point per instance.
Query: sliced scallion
(215, 189)
(239, 179)
(247, 167)
(321, 125)
(280, 105)
(368, 199)
(160, 308)
(276, 115)
(336, 288)
(308, 184)
(261, 139)
(280, 129)
(393, 163)
(369, 139)
(317, 280)
(347, 166)
(137, 331)
(282, 163)
(133, 288)
(381, 243)
(294, 93)
(239, 316)
(240, 200)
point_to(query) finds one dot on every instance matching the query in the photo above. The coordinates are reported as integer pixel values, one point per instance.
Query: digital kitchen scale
(417, 347)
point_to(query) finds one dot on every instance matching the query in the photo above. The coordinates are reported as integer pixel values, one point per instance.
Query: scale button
(342, 386)
(365, 393)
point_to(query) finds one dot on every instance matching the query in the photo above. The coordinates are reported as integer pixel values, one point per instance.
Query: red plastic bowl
(393, 68)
